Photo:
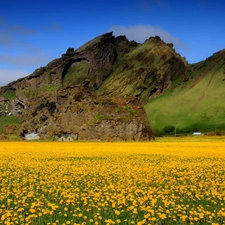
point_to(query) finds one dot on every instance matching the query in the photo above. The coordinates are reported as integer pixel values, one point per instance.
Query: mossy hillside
(135, 72)
(194, 105)
(45, 90)
(8, 121)
(76, 74)
(8, 95)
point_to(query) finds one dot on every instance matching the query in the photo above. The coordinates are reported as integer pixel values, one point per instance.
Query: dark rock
(74, 111)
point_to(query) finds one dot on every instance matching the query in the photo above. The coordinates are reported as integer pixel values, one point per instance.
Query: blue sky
(34, 32)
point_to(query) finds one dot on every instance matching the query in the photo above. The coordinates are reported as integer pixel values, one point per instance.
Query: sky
(34, 32)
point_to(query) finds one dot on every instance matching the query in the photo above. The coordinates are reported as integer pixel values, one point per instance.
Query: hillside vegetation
(146, 70)
(194, 102)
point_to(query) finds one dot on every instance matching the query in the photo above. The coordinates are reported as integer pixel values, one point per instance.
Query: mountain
(62, 97)
(109, 89)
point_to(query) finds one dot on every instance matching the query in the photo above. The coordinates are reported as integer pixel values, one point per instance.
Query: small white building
(197, 133)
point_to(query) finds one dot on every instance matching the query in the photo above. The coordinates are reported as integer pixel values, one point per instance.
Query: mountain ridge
(106, 67)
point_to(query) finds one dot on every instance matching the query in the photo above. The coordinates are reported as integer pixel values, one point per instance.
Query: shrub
(169, 129)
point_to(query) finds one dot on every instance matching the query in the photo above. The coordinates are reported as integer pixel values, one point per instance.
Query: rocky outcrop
(109, 65)
(146, 71)
(79, 111)
(95, 92)
(91, 64)
(12, 129)
(14, 107)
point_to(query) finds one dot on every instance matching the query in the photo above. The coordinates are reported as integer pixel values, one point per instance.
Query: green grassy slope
(76, 74)
(196, 104)
(9, 120)
(139, 71)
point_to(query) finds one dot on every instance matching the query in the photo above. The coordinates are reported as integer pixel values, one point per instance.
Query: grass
(97, 117)
(191, 107)
(124, 74)
(191, 138)
(9, 120)
(131, 76)
(76, 74)
(9, 94)
(42, 91)
(51, 88)
(112, 183)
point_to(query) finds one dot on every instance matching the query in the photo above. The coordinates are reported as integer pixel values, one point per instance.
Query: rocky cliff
(97, 91)
(79, 111)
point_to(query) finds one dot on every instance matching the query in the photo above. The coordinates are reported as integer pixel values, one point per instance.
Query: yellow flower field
(112, 183)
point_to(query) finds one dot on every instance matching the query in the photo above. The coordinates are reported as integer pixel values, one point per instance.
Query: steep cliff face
(78, 111)
(103, 73)
(110, 65)
(91, 64)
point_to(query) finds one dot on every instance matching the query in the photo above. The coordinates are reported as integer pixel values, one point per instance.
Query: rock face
(13, 107)
(78, 111)
(10, 130)
(91, 64)
(97, 91)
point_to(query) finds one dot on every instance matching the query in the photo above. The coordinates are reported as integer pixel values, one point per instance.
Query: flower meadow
(112, 183)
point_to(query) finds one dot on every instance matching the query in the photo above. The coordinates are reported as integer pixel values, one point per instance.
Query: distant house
(62, 139)
(197, 133)
(69, 139)
(65, 139)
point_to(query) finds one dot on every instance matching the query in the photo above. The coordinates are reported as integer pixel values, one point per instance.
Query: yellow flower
(117, 212)
(162, 216)
(87, 181)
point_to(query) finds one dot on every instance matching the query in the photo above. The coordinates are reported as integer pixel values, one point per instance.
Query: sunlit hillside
(194, 102)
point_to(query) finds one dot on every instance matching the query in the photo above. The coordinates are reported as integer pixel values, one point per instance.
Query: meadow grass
(76, 74)
(112, 183)
(191, 108)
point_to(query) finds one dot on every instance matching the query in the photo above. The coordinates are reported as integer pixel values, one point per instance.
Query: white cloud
(8, 75)
(140, 33)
